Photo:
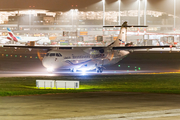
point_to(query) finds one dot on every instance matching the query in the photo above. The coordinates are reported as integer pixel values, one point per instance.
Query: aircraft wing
(38, 40)
(93, 47)
(140, 47)
(38, 47)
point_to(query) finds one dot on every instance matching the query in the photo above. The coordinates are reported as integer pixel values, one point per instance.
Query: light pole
(72, 10)
(139, 8)
(119, 12)
(174, 15)
(103, 12)
(145, 10)
(29, 17)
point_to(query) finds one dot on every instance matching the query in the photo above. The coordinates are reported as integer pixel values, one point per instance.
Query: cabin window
(47, 54)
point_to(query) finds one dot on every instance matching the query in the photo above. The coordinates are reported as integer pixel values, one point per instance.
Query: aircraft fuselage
(82, 58)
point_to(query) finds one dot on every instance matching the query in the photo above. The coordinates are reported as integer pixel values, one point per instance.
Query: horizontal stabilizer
(126, 26)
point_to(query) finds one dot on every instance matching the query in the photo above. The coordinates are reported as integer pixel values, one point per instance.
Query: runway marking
(129, 116)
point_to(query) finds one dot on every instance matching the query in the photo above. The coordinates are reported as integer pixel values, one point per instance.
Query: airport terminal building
(56, 18)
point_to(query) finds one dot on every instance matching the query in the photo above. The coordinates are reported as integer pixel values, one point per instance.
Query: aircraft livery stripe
(68, 61)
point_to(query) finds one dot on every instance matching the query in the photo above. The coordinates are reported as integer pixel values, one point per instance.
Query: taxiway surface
(91, 106)
(67, 73)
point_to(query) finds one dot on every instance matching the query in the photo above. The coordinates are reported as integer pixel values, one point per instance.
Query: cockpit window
(52, 54)
(47, 54)
(58, 55)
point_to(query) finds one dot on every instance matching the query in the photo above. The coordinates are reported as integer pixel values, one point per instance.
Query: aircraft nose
(46, 63)
(52, 62)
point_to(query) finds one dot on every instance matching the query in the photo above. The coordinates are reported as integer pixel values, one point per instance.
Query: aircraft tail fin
(121, 39)
(9, 30)
(11, 35)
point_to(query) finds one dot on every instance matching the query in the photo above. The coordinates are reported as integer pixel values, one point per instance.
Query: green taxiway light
(5, 50)
(15, 55)
(25, 56)
(127, 70)
(119, 65)
(6, 55)
(135, 69)
(128, 66)
(139, 68)
(36, 57)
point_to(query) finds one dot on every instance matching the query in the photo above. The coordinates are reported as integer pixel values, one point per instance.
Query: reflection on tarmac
(92, 73)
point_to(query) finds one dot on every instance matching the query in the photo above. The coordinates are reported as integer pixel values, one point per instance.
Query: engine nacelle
(96, 52)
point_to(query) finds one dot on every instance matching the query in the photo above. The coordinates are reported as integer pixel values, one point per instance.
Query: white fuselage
(81, 58)
(40, 40)
(3, 39)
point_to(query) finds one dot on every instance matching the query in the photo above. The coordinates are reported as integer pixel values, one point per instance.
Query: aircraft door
(58, 57)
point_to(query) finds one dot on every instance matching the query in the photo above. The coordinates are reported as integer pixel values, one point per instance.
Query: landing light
(50, 69)
(83, 71)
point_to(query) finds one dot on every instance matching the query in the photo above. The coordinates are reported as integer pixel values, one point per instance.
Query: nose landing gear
(99, 70)
(73, 70)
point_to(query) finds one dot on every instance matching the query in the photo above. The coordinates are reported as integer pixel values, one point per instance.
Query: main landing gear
(73, 70)
(99, 70)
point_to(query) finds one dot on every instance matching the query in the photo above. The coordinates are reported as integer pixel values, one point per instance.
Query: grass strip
(149, 83)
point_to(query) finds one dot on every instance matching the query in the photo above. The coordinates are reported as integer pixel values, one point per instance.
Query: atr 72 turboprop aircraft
(88, 58)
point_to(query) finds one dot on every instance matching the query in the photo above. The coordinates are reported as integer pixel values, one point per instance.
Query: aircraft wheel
(73, 70)
(99, 70)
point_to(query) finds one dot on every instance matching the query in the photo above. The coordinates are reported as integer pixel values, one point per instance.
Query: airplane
(39, 40)
(5, 39)
(88, 58)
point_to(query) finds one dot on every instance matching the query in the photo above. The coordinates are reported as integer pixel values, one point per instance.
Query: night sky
(87, 5)
(53, 5)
